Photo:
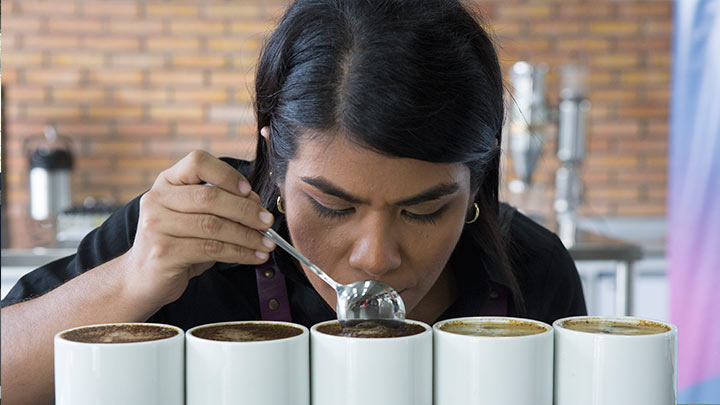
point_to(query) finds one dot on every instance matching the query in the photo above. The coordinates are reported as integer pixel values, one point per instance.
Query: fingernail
(244, 187)
(261, 255)
(266, 217)
(267, 242)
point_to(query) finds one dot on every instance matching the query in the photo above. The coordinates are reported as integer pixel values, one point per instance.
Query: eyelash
(326, 212)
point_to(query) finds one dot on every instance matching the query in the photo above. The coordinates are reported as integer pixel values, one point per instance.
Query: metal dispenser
(528, 127)
(51, 161)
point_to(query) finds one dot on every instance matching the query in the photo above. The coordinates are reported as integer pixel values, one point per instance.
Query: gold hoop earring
(279, 205)
(477, 214)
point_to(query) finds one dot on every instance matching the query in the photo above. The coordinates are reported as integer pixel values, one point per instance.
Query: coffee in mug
(615, 360)
(493, 360)
(124, 363)
(371, 362)
(372, 329)
(493, 328)
(253, 362)
(120, 333)
(246, 332)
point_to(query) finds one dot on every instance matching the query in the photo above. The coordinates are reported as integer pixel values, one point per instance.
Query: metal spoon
(359, 301)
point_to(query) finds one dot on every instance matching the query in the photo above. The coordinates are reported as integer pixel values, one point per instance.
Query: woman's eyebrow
(432, 193)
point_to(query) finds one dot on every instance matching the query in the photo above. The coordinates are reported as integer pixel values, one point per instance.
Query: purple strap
(497, 304)
(272, 292)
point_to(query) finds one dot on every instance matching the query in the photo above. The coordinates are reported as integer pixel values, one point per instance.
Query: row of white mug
(558, 365)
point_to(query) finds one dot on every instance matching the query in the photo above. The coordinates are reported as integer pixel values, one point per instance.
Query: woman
(379, 130)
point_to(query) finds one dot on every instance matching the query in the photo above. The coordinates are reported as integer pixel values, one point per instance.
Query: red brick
(616, 129)
(50, 42)
(173, 44)
(585, 10)
(644, 44)
(614, 28)
(112, 43)
(51, 76)
(584, 45)
(176, 78)
(645, 9)
(155, 163)
(77, 94)
(138, 60)
(612, 193)
(135, 27)
(75, 25)
(233, 10)
(611, 161)
(556, 28)
(116, 148)
(141, 96)
(200, 96)
(204, 130)
(50, 8)
(54, 112)
(84, 129)
(114, 9)
(116, 77)
(19, 24)
(176, 148)
(24, 93)
(251, 46)
(615, 60)
(262, 28)
(197, 27)
(78, 59)
(172, 10)
(199, 61)
(95, 177)
(118, 112)
(22, 129)
(659, 28)
(176, 112)
(644, 111)
(523, 11)
(645, 78)
(152, 130)
(241, 80)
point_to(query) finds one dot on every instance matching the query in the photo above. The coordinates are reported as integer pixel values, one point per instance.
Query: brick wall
(137, 84)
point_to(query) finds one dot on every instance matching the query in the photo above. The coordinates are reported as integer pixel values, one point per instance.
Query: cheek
(314, 238)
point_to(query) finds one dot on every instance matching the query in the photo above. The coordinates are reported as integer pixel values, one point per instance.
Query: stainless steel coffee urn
(50, 163)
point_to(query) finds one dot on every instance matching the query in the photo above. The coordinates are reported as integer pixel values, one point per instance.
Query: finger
(206, 226)
(196, 250)
(198, 199)
(200, 167)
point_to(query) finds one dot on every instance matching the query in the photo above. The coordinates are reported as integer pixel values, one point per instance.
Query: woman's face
(360, 215)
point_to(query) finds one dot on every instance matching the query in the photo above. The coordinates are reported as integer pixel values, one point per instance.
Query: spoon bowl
(358, 301)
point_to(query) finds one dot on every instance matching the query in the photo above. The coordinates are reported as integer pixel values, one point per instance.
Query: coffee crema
(613, 327)
(246, 332)
(371, 330)
(491, 328)
(121, 333)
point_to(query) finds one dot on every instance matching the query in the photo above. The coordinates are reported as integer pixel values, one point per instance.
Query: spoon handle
(275, 237)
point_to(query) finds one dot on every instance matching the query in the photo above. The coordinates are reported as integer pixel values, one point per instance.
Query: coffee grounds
(247, 332)
(612, 327)
(372, 330)
(119, 334)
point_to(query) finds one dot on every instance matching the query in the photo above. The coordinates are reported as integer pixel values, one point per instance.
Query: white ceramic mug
(601, 368)
(143, 372)
(378, 371)
(269, 372)
(512, 370)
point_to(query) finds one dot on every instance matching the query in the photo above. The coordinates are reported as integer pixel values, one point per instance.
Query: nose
(376, 250)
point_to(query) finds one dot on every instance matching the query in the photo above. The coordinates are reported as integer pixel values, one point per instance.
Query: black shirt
(546, 274)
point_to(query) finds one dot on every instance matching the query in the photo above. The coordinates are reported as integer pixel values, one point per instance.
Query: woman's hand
(186, 225)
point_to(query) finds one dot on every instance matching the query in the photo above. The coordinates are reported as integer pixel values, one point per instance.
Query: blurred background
(123, 89)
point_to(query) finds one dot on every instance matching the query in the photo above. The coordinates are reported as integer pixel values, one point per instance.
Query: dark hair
(417, 79)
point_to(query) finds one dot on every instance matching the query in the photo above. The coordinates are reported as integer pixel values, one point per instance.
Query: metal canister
(50, 163)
